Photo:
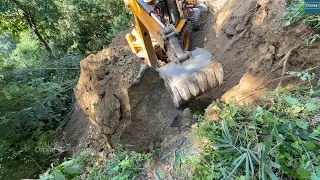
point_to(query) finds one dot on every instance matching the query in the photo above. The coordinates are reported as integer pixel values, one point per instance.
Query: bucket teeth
(219, 72)
(211, 76)
(202, 81)
(192, 77)
(193, 86)
(183, 90)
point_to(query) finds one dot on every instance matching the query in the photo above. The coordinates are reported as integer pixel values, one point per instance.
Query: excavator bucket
(192, 77)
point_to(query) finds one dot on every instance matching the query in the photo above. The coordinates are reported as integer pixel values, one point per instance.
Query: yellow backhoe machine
(161, 36)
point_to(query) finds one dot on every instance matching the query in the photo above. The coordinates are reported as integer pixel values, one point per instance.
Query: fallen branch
(284, 69)
(283, 61)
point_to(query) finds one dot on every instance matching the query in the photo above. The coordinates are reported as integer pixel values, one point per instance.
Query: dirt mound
(248, 38)
(124, 98)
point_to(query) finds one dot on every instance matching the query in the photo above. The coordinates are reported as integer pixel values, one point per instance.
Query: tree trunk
(33, 26)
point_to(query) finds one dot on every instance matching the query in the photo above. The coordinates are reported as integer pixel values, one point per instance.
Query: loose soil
(246, 36)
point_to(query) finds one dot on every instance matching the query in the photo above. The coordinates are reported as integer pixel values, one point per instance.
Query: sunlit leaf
(303, 124)
(303, 173)
(291, 100)
(309, 145)
(72, 169)
(311, 107)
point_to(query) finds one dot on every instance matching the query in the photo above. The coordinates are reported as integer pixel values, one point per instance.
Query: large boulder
(126, 99)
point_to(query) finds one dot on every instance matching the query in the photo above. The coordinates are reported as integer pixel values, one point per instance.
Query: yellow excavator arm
(187, 73)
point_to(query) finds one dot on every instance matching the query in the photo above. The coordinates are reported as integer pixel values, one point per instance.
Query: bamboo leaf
(226, 150)
(177, 162)
(275, 165)
(238, 159)
(221, 145)
(247, 167)
(251, 165)
(263, 172)
(237, 166)
(254, 157)
(226, 131)
(271, 174)
(220, 164)
(184, 147)
(218, 139)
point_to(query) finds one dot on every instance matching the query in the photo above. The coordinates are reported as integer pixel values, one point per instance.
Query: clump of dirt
(248, 38)
(126, 100)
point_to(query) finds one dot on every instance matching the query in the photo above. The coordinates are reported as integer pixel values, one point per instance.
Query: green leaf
(315, 132)
(311, 107)
(216, 166)
(126, 163)
(314, 178)
(297, 110)
(226, 150)
(218, 139)
(303, 173)
(291, 100)
(251, 165)
(58, 175)
(238, 159)
(303, 124)
(74, 169)
(270, 173)
(275, 165)
(176, 162)
(309, 145)
(317, 168)
(226, 131)
(221, 145)
(67, 163)
(255, 159)
(115, 169)
(289, 171)
(237, 166)
(247, 167)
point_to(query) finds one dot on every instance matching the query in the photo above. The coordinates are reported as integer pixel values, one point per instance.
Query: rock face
(125, 98)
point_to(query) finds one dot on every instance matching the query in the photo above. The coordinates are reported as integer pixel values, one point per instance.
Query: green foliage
(296, 14)
(36, 89)
(84, 26)
(279, 138)
(113, 165)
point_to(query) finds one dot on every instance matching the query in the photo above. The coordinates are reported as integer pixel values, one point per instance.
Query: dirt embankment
(246, 36)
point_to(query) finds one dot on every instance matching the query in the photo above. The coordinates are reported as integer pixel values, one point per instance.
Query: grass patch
(278, 139)
(112, 164)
